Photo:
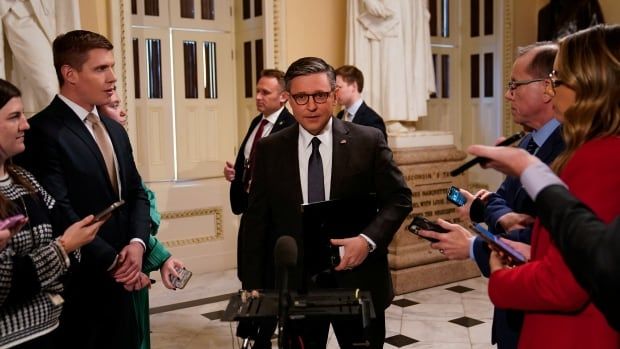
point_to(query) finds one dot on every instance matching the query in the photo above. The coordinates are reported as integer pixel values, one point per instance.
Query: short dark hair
(8, 91)
(307, 66)
(72, 49)
(351, 74)
(542, 62)
(274, 73)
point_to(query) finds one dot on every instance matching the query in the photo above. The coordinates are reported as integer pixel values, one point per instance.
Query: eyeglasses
(513, 84)
(319, 97)
(555, 82)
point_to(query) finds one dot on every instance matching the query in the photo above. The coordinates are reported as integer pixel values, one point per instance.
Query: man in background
(270, 100)
(349, 86)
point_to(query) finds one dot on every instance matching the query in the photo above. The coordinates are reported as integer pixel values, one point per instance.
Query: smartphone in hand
(497, 243)
(11, 222)
(182, 280)
(421, 223)
(455, 196)
(103, 214)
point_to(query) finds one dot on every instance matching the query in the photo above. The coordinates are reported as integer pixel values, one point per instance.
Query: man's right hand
(508, 160)
(229, 171)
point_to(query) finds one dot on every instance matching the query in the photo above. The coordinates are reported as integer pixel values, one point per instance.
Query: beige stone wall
(94, 16)
(315, 28)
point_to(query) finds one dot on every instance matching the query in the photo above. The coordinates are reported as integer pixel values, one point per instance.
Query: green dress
(154, 260)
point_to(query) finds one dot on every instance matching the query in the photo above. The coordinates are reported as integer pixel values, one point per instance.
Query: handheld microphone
(480, 160)
(285, 257)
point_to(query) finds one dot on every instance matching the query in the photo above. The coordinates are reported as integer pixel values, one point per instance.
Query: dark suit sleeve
(379, 124)
(393, 194)
(482, 253)
(589, 247)
(134, 193)
(497, 207)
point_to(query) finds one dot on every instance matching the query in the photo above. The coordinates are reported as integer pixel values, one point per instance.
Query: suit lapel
(341, 153)
(77, 127)
(290, 162)
(281, 121)
(551, 147)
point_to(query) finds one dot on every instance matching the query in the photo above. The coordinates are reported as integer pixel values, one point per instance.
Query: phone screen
(516, 256)
(455, 196)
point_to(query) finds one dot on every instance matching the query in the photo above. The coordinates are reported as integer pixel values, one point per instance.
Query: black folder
(333, 219)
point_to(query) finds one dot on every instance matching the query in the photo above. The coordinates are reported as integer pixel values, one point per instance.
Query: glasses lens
(321, 97)
(301, 99)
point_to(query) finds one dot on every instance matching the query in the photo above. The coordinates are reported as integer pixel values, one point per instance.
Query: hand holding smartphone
(183, 279)
(103, 214)
(497, 243)
(455, 196)
(421, 223)
(11, 222)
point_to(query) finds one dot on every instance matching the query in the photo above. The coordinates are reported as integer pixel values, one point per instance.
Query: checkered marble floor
(451, 316)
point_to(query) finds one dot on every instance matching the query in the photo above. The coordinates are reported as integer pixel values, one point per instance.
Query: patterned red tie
(259, 134)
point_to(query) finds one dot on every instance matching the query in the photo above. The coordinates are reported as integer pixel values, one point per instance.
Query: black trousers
(350, 334)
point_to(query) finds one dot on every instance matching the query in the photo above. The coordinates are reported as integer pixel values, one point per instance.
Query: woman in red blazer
(585, 85)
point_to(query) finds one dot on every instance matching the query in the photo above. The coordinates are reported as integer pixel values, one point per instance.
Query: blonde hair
(589, 64)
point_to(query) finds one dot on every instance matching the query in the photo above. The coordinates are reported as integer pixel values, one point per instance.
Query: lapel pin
(344, 141)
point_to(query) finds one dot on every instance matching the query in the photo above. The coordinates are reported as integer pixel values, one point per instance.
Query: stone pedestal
(414, 265)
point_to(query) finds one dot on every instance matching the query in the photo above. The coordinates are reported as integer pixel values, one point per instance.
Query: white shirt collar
(77, 109)
(325, 135)
(273, 117)
(355, 106)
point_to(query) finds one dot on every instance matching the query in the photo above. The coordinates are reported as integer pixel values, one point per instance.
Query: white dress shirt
(304, 150)
(272, 118)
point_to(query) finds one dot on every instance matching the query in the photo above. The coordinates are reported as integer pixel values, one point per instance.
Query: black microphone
(480, 160)
(285, 257)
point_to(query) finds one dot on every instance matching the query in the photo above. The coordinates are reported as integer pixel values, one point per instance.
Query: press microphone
(285, 257)
(481, 160)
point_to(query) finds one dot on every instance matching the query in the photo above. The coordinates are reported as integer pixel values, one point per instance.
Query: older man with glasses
(509, 211)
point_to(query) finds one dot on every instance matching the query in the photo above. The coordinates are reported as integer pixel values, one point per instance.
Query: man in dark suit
(86, 163)
(322, 159)
(270, 100)
(349, 86)
(509, 210)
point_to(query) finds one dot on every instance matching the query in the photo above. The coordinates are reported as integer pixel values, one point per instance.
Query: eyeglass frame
(313, 95)
(555, 82)
(513, 84)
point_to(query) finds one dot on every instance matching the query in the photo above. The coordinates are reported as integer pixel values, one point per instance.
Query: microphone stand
(283, 308)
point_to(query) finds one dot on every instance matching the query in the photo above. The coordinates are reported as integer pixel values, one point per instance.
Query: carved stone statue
(30, 27)
(389, 41)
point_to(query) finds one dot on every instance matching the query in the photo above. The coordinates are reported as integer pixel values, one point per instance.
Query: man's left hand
(355, 252)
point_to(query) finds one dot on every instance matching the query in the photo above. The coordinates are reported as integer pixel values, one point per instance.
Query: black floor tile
(466, 321)
(214, 315)
(400, 341)
(404, 302)
(459, 289)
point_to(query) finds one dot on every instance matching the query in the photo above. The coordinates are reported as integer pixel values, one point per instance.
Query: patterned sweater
(30, 267)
